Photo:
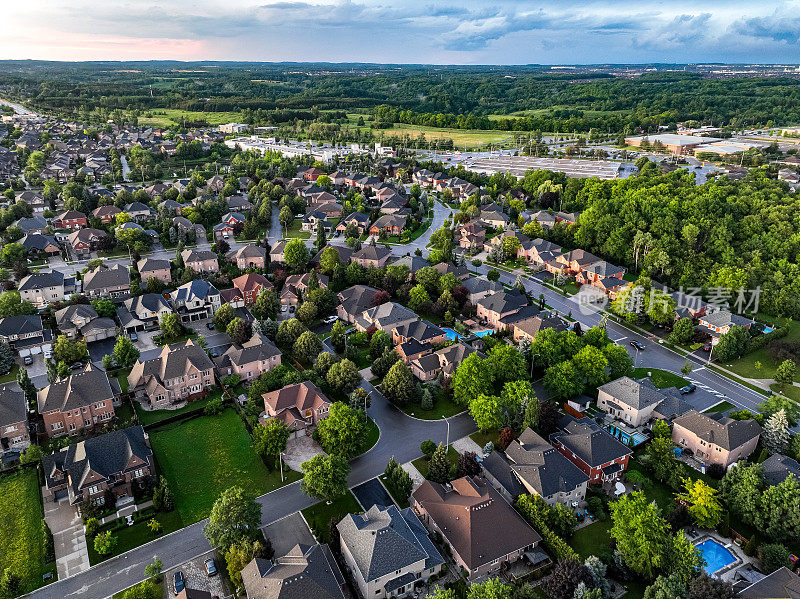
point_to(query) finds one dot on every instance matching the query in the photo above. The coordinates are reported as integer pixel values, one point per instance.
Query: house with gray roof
(780, 584)
(388, 550)
(195, 300)
(81, 320)
(715, 438)
(372, 255)
(480, 287)
(629, 400)
(305, 572)
(531, 465)
(777, 468)
(354, 301)
(39, 245)
(14, 431)
(107, 282)
(250, 360)
(116, 462)
(592, 449)
(720, 322)
(385, 317)
(44, 288)
(32, 224)
(497, 306)
(143, 312)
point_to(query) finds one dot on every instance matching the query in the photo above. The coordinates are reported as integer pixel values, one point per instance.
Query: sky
(403, 31)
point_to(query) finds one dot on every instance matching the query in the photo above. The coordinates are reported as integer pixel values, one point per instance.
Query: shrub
(213, 407)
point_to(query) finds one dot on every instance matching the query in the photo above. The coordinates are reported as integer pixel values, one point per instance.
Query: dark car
(213, 352)
(688, 388)
(77, 366)
(637, 345)
(134, 337)
(210, 326)
(211, 567)
(178, 582)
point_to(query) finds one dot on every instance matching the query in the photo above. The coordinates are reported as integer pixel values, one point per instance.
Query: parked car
(637, 345)
(210, 326)
(134, 337)
(77, 366)
(47, 354)
(178, 582)
(706, 348)
(27, 360)
(688, 388)
(211, 567)
(331, 319)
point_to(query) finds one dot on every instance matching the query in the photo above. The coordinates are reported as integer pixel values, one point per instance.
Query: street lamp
(532, 360)
(280, 461)
(447, 440)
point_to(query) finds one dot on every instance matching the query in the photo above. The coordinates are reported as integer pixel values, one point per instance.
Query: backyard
(760, 364)
(22, 529)
(319, 515)
(152, 417)
(207, 455)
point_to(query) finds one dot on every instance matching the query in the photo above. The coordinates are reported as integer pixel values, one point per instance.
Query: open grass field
(760, 364)
(21, 529)
(320, 514)
(461, 137)
(167, 117)
(204, 456)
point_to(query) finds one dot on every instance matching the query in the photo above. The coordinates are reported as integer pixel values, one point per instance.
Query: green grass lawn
(11, 376)
(320, 515)
(148, 589)
(203, 457)
(592, 539)
(373, 434)
(152, 417)
(21, 529)
(660, 378)
(421, 464)
(294, 230)
(720, 407)
(746, 365)
(444, 407)
(138, 534)
(789, 391)
(483, 438)
(393, 492)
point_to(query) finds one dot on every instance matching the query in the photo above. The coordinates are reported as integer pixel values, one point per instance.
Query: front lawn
(295, 230)
(22, 529)
(443, 407)
(371, 438)
(789, 391)
(146, 589)
(320, 514)
(153, 417)
(483, 438)
(130, 537)
(207, 455)
(720, 407)
(11, 376)
(660, 378)
(421, 464)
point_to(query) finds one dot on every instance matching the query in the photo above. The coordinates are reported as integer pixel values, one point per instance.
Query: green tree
(153, 569)
(170, 326)
(307, 312)
(591, 363)
(125, 352)
(439, 465)
(33, 455)
(324, 362)
(778, 515)
(307, 347)
(269, 439)
(338, 335)
(266, 304)
(343, 376)
(741, 490)
(776, 432)
(486, 411)
(325, 477)
(640, 533)
(223, 316)
(69, 351)
(288, 332)
(398, 384)
(661, 456)
(418, 298)
(471, 379)
(239, 330)
(563, 380)
(682, 331)
(343, 431)
(704, 504)
(11, 304)
(104, 307)
(6, 358)
(785, 372)
(506, 363)
(105, 542)
(295, 254)
(234, 516)
(619, 360)
(490, 589)
(667, 587)
(24, 381)
(773, 557)
(329, 260)
(732, 344)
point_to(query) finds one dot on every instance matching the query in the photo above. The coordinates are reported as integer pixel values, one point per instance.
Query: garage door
(25, 352)
(59, 495)
(36, 350)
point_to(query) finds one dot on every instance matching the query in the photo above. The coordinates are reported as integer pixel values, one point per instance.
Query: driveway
(287, 532)
(372, 493)
(69, 541)
(300, 448)
(194, 572)
(98, 349)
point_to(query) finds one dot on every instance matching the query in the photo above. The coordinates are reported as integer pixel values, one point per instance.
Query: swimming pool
(451, 334)
(715, 555)
(626, 437)
(483, 333)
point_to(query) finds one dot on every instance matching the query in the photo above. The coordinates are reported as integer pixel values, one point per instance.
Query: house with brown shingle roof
(251, 359)
(715, 438)
(480, 527)
(300, 406)
(82, 401)
(248, 256)
(354, 300)
(306, 572)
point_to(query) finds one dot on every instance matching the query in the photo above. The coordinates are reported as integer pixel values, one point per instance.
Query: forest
(502, 98)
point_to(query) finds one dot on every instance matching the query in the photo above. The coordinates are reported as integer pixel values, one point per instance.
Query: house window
(72, 426)
(94, 489)
(57, 425)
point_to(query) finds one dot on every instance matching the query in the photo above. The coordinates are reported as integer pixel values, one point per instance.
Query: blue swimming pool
(451, 334)
(626, 437)
(483, 333)
(716, 555)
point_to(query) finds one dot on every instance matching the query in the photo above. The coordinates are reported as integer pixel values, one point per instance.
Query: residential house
(428, 365)
(354, 300)
(14, 431)
(528, 327)
(139, 212)
(391, 224)
(480, 287)
(249, 360)
(248, 256)
(107, 282)
(81, 402)
(106, 214)
(314, 219)
(492, 308)
(388, 551)
(300, 282)
(81, 320)
(715, 438)
(250, 285)
(178, 373)
(300, 406)
(419, 330)
(777, 468)
(372, 255)
(224, 231)
(538, 251)
(44, 288)
(40, 246)
(34, 199)
(161, 270)
(718, 323)
(494, 217)
(531, 465)
(572, 262)
(196, 300)
(385, 317)
(629, 400)
(483, 531)
(780, 584)
(360, 220)
(276, 252)
(394, 204)
(84, 241)
(471, 236)
(200, 261)
(143, 312)
(70, 219)
(306, 572)
(329, 209)
(117, 462)
(26, 334)
(32, 224)
(592, 449)
(238, 203)
(342, 251)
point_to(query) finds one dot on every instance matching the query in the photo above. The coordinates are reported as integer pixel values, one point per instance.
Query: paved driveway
(196, 578)
(287, 532)
(98, 349)
(69, 541)
(372, 493)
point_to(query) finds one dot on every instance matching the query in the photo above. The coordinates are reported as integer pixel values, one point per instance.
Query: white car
(331, 319)
(47, 354)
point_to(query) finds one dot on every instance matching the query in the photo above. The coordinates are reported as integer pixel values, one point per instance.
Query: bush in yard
(153, 570)
(92, 526)
(154, 526)
(468, 464)
(163, 501)
(773, 556)
(231, 380)
(427, 447)
(105, 542)
(567, 575)
(214, 407)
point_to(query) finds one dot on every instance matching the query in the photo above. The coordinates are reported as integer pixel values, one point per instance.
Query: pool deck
(728, 571)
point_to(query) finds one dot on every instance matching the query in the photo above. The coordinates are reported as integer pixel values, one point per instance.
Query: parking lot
(519, 165)
(194, 572)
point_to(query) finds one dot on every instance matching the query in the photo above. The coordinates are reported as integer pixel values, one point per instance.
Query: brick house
(592, 449)
(82, 401)
(354, 300)
(200, 260)
(70, 219)
(528, 327)
(107, 282)
(714, 438)
(84, 241)
(300, 406)
(248, 256)
(250, 360)
(14, 432)
(250, 285)
(106, 214)
(718, 323)
(538, 251)
(360, 219)
(86, 472)
(158, 269)
(493, 308)
(180, 372)
(372, 255)
(391, 224)
(482, 529)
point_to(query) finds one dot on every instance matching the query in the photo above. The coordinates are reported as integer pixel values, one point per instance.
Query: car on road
(27, 360)
(178, 582)
(210, 326)
(331, 319)
(638, 345)
(211, 567)
(688, 388)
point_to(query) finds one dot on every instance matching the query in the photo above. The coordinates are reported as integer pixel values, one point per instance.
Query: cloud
(781, 26)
